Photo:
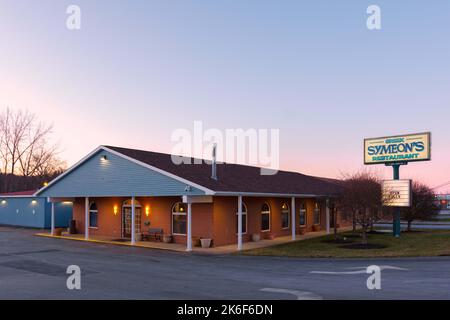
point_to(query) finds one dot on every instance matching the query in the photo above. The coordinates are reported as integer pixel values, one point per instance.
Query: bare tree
(362, 200)
(423, 204)
(24, 146)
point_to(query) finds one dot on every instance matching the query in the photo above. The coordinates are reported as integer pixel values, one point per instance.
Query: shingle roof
(19, 193)
(235, 177)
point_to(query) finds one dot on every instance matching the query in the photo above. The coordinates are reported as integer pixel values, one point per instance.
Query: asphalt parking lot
(35, 268)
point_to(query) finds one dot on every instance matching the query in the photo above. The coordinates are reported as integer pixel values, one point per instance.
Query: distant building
(443, 201)
(25, 210)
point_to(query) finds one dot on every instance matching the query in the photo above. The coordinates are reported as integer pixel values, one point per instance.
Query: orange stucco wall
(160, 216)
(217, 220)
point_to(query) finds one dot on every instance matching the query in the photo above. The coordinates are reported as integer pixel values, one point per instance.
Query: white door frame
(137, 206)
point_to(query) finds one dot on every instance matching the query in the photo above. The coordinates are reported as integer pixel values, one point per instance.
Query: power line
(441, 185)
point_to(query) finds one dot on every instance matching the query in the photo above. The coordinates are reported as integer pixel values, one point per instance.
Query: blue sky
(137, 70)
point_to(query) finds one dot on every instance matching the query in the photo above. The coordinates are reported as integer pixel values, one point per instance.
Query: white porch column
(293, 224)
(189, 227)
(327, 215)
(239, 246)
(133, 221)
(86, 218)
(53, 219)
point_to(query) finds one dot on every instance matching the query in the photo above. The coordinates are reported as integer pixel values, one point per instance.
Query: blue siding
(115, 177)
(63, 214)
(18, 211)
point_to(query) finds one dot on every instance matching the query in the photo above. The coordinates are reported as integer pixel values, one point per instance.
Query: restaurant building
(126, 194)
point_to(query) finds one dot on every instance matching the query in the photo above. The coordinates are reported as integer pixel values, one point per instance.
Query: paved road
(34, 268)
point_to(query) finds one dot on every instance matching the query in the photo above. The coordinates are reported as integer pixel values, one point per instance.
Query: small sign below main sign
(395, 149)
(396, 193)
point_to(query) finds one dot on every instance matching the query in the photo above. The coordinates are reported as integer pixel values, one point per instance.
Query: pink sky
(319, 76)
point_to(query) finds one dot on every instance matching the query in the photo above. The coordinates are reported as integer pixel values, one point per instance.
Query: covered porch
(145, 221)
(123, 221)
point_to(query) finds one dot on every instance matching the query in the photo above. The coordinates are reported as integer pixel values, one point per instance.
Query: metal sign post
(396, 225)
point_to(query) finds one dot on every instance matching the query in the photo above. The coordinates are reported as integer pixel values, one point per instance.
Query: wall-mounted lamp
(103, 158)
(147, 211)
(45, 184)
(34, 202)
(116, 210)
(3, 201)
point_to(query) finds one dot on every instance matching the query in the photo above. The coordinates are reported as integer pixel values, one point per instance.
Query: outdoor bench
(155, 234)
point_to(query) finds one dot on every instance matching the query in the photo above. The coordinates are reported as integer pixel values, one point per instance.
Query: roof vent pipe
(214, 163)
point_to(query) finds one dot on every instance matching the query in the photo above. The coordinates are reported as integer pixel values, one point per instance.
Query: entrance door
(126, 221)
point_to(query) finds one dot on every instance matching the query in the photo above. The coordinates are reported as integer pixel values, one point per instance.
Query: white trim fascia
(170, 175)
(62, 175)
(261, 194)
(196, 199)
(163, 172)
(59, 199)
(12, 197)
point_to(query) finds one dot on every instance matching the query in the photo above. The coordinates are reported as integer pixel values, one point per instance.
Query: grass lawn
(410, 244)
(439, 220)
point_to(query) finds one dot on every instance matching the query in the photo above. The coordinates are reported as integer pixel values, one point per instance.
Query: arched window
(316, 213)
(265, 217)
(179, 218)
(285, 215)
(93, 215)
(129, 203)
(244, 219)
(302, 217)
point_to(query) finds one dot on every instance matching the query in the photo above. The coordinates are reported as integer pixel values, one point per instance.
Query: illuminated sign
(406, 148)
(396, 193)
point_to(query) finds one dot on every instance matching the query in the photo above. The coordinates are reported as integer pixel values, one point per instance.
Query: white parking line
(383, 267)
(362, 271)
(301, 295)
(339, 272)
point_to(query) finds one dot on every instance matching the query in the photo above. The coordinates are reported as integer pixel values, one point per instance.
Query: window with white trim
(244, 219)
(93, 215)
(179, 218)
(302, 217)
(285, 216)
(265, 217)
(316, 213)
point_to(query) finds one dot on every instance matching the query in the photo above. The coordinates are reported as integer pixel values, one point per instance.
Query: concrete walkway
(228, 249)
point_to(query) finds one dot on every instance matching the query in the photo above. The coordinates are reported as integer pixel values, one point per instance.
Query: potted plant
(256, 237)
(206, 243)
(167, 238)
